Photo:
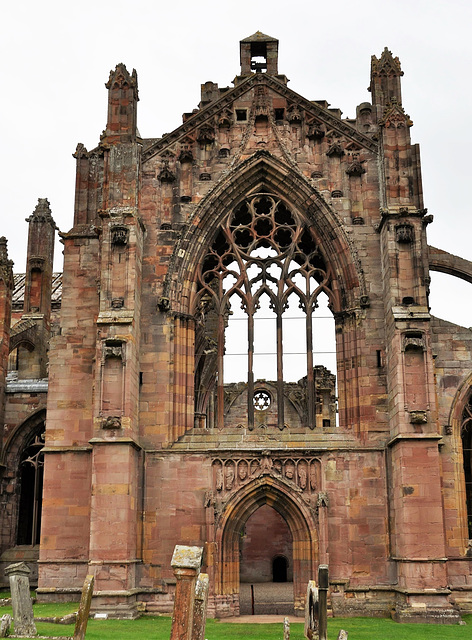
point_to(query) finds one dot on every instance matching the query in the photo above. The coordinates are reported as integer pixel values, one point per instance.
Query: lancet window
(264, 257)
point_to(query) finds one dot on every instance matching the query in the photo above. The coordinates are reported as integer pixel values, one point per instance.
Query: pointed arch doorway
(280, 496)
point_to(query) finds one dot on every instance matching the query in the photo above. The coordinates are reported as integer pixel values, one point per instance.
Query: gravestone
(316, 607)
(200, 607)
(311, 611)
(186, 563)
(23, 619)
(84, 609)
(286, 629)
(5, 625)
(342, 635)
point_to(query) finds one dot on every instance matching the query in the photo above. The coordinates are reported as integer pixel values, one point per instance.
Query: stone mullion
(280, 374)
(220, 372)
(250, 368)
(310, 382)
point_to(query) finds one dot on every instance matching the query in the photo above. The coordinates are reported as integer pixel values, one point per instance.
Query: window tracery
(263, 255)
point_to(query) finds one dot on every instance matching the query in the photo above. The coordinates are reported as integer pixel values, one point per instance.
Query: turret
(122, 105)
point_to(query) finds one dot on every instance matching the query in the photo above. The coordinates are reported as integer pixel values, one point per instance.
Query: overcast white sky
(56, 57)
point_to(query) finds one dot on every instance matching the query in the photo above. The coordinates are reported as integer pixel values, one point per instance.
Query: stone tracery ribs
(262, 248)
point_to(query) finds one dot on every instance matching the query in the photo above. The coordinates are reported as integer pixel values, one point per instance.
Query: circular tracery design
(262, 248)
(261, 400)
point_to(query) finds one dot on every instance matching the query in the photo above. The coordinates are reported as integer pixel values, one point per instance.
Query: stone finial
(386, 65)
(42, 212)
(120, 78)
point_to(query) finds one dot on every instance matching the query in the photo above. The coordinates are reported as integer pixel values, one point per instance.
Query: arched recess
(15, 452)
(303, 526)
(343, 283)
(460, 420)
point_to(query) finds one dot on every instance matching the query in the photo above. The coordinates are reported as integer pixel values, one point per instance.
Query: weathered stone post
(22, 605)
(186, 562)
(323, 583)
(311, 611)
(84, 609)
(200, 607)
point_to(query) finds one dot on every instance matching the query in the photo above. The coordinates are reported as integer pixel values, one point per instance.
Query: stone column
(186, 562)
(22, 605)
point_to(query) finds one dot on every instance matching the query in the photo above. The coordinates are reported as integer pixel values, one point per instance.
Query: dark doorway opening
(279, 569)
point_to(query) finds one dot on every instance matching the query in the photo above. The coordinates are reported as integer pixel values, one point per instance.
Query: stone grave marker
(5, 625)
(311, 611)
(23, 618)
(186, 563)
(84, 609)
(200, 607)
(286, 629)
(342, 635)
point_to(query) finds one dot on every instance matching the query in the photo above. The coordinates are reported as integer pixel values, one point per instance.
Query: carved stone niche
(36, 263)
(335, 150)
(119, 235)
(414, 341)
(166, 175)
(315, 131)
(113, 349)
(337, 193)
(186, 155)
(404, 233)
(418, 417)
(206, 135)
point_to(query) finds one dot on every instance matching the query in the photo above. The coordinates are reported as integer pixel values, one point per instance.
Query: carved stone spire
(122, 102)
(385, 75)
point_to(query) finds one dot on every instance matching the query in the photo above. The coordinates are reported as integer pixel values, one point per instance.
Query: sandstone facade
(260, 200)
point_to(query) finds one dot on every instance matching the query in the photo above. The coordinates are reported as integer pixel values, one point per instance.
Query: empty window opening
(241, 115)
(31, 490)
(258, 57)
(279, 114)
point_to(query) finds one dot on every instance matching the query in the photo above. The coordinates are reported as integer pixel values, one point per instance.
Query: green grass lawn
(158, 628)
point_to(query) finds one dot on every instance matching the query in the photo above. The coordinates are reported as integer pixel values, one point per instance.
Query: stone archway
(281, 496)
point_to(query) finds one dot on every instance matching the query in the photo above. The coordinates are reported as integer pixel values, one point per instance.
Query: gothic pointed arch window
(263, 262)
(31, 488)
(466, 435)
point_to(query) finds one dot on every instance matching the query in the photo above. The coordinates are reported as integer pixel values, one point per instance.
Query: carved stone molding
(303, 474)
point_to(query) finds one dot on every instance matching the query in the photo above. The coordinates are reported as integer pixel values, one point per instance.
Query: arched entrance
(280, 496)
